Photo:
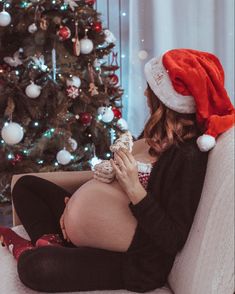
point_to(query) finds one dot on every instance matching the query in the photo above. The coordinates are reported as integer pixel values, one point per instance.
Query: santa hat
(190, 81)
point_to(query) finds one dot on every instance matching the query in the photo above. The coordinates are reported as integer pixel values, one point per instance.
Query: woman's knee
(34, 268)
(23, 181)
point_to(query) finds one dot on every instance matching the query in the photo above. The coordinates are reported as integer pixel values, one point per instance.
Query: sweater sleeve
(169, 227)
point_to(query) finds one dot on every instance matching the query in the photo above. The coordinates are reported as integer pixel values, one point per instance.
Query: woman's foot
(49, 240)
(14, 243)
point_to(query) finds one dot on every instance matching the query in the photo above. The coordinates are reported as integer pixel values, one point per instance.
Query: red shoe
(14, 243)
(49, 240)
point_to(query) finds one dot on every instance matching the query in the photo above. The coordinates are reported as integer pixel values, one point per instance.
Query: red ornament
(85, 118)
(17, 158)
(90, 2)
(117, 112)
(113, 79)
(97, 26)
(64, 33)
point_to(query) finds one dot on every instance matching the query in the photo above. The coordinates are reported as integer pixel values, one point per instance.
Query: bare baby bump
(97, 215)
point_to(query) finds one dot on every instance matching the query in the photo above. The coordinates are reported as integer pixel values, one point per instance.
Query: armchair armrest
(69, 180)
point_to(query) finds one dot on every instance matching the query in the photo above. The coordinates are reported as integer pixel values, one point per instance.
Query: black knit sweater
(164, 216)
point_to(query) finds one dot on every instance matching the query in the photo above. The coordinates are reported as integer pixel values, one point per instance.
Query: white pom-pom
(206, 142)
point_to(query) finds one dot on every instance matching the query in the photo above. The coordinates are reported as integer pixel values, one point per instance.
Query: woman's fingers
(129, 156)
(124, 157)
(62, 226)
(116, 169)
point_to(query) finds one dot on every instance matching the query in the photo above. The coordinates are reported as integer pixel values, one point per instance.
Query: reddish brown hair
(167, 127)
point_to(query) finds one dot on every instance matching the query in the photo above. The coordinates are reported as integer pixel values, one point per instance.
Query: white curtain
(159, 25)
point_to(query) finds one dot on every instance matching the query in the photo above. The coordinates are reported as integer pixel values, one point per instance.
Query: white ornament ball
(5, 19)
(86, 46)
(33, 90)
(101, 110)
(32, 28)
(63, 157)
(122, 124)
(142, 54)
(73, 143)
(12, 133)
(108, 115)
(74, 81)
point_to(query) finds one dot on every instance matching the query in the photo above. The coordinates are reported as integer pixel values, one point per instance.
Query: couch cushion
(206, 262)
(10, 283)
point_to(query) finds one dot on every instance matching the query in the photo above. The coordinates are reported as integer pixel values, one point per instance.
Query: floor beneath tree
(6, 215)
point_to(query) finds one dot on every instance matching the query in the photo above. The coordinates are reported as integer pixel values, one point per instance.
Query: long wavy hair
(166, 127)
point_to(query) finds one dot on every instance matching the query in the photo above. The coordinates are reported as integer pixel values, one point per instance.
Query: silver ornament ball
(63, 157)
(5, 18)
(86, 46)
(12, 133)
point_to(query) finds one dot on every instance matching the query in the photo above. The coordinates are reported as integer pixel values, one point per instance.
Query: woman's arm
(169, 227)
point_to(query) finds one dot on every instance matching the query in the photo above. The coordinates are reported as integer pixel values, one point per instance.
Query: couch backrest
(205, 265)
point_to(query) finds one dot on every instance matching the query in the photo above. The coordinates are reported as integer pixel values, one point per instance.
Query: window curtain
(156, 26)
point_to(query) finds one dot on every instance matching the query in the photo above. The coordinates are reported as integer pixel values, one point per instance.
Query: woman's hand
(127, 175)
(66, 200)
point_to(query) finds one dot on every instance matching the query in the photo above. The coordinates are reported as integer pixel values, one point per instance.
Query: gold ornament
(44, 24)
(93, 89)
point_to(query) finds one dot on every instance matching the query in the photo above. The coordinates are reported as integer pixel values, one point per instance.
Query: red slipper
(49, 240)
(14, 243)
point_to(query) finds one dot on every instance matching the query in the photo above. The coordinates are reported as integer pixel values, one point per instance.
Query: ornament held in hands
(12, 133)
(103, 171)
(33, 90)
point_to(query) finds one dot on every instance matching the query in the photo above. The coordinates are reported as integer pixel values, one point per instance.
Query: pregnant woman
(126, 234)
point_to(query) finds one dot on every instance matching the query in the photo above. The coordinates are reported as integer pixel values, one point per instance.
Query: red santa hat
(190, 81)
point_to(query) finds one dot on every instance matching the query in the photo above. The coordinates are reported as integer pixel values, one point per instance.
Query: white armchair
(206, 263)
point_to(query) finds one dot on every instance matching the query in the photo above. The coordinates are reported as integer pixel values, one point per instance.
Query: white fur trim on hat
(160, 83)
(206, 142)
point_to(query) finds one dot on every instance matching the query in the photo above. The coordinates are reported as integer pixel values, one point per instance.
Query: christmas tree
(60, 99)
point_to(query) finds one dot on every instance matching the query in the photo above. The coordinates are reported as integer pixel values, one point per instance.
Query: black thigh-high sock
(39, 204)
(61, 269)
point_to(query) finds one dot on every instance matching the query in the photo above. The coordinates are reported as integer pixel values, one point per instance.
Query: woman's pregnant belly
(97, 215)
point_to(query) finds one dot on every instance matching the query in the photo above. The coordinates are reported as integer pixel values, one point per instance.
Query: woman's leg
(61, 269)
(39, 204)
